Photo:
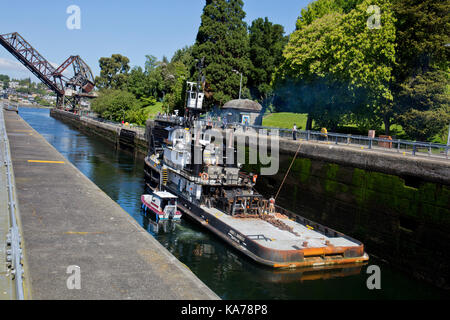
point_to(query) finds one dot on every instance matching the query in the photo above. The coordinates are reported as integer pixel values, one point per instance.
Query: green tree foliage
(222, 40)
(137, 115)
(137, 83)
(42, 102)
(159, 81)
(25, 82)
(317, 9)
(267, 42)
(184, 56)
(175, 98)
(147, 85)
(113, 72)
(425, 103)
(180, 65)
(115, 104)
(421, 89)
(336, 66)
(5, 79)
(423, 30)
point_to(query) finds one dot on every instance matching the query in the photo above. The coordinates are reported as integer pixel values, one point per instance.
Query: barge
(215, 193)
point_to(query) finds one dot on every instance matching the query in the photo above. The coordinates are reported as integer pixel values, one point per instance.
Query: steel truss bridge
(68, 91)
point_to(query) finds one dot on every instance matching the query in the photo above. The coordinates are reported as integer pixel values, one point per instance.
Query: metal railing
(140, 129)
(414, 148)
(13, 241)
(94, 117)
(365, 142)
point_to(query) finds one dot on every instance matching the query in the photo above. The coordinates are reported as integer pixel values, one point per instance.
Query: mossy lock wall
(407, 225)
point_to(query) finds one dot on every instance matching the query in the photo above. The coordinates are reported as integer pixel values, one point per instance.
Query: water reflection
(155, 228)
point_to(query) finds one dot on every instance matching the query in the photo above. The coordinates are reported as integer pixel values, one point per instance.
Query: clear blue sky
(132, 28)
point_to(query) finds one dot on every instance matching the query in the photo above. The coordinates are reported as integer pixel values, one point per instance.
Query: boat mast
(194, 107)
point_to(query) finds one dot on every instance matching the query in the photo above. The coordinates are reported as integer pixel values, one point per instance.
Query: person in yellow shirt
(324, 134)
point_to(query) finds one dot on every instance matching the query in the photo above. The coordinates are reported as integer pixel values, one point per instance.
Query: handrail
(407, 147)
(14, 254)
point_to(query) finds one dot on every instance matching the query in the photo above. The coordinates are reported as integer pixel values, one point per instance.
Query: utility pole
(240, 86)
(448, 139)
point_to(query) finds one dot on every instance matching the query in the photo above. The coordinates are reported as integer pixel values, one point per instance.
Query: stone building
(243, 110)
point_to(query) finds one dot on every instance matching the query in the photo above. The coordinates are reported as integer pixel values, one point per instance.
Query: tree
(424, 100)
(317, 9)
(154, 79)
(115, 104)
(113, 73)
(151, 63)
(137, 83)
(175, 98)
(184, 56)
(5, 79)
(147, 85)
(423, 30)
(421, 90)
(222, 40)
(25, 82)
(336, 66)
(267, 42)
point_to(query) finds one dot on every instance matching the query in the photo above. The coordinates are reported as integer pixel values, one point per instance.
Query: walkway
(68, 221)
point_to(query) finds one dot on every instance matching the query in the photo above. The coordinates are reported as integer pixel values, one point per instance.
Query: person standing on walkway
(324, 134)
(272, 205)
(294, 132)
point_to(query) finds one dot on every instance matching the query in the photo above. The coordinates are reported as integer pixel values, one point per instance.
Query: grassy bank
(285, 120)
(153, 110)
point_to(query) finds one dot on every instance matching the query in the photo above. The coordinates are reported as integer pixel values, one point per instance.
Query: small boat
(162, 204)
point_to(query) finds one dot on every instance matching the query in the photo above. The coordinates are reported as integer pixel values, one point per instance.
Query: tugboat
(215, 193)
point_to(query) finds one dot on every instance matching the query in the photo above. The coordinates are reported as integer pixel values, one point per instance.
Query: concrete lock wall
(404, 220)
(398, 206)
(125, 137)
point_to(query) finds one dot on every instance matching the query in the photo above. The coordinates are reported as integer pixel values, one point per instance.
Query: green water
(227, 272)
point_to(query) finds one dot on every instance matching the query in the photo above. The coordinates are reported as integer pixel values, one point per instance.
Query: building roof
(243, 104)
(165, 195)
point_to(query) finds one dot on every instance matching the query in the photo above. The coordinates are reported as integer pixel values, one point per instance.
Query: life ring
(205, 176)
(255, 177)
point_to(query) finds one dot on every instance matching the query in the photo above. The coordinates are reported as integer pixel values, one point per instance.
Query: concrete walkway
(68, 221)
